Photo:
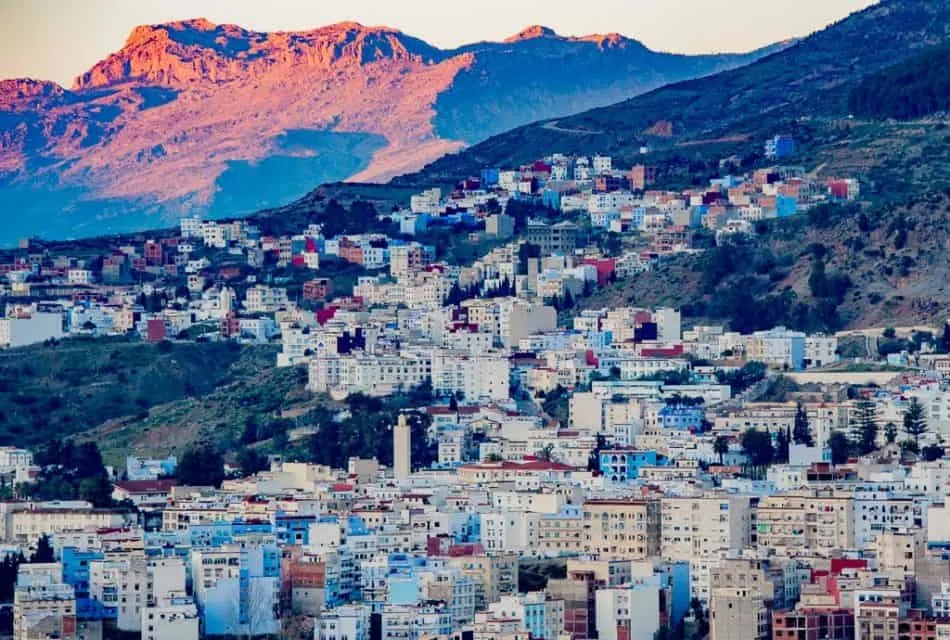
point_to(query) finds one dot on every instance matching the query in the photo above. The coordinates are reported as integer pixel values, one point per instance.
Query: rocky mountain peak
(533, 32)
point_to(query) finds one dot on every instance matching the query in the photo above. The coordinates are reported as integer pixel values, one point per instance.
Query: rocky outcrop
(212, 97)
(197, 52)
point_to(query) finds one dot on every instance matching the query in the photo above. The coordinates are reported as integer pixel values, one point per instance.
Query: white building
(263, 299)
(190, 227)
(121, 584)
(476, 376)
(174, 617)
(402, 449)
(629, 611)
(426, 202)
(820, 350)
(510, 531)
(15, 462)
(79, 276)
(699, 529)
(602, 165)
(38, 327)
(43, 607)
(237, 589)
(349, 622)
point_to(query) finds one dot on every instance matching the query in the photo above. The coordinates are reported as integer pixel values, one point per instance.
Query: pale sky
(58, 39)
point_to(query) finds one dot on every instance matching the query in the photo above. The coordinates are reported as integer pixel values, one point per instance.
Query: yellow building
(32, 523)
(494, 575)
(623, 528)
(806, 522)
(559, 534)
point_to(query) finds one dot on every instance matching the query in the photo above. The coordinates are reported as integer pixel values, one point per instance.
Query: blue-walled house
(682, 418)
(621, 465)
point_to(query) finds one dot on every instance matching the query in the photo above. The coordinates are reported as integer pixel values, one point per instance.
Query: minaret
(402, 458)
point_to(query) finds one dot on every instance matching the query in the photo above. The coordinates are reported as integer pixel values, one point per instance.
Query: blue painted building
(223, 532)
(681, 418)
(489, 177)
(780, 146)
(293, 529)
(551, 199)
(675, 578)
(76, 573)
(414, 224)
(622, 465)
(697, 214)
(725, 182)
(786, 206)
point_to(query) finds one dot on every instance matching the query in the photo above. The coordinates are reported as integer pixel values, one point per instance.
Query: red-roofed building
(155, 330)
(143, 493)
(672, 351)
(508, 470)
(605, 269)
(325, 314)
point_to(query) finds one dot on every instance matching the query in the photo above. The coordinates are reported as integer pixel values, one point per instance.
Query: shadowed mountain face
(808, 81)
(193, 117)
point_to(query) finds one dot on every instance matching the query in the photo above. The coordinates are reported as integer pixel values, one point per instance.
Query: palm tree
(721, 447)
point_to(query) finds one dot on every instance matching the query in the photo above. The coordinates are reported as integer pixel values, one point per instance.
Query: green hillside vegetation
(835, 268)
(913, 88)
(56, 390)
(256, 408)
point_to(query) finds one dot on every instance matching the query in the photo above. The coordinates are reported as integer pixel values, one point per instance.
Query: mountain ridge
(812, 78)
(188, 115)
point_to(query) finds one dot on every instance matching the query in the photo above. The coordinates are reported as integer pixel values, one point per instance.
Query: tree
(545, 453)
(593, 460)
(890, 432)
(721, 447)
(945, 339)
(251, 462)
(932, 452)
(757, 446)
(782, 443)
(44, 550)
(801, 433)
(749, 375)
(840, 447)
(97, 490)
(9, 568)
(88, 460)
(909, 446)
(915, 421)
(699, 615)
(202, 466)
(865, 424)
(280, 440)
(568, 300)
(613, 244)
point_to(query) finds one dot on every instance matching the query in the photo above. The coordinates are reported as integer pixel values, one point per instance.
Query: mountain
(193, 117)
(803, 89)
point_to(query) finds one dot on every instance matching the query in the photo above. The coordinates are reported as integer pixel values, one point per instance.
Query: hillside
(193, 117)
(913, 88)
(66, 389)
(803, 89)
(833, 269)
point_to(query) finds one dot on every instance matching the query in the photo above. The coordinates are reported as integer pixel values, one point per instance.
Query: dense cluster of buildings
(622, 201)
(591, 476)
(652, 525)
